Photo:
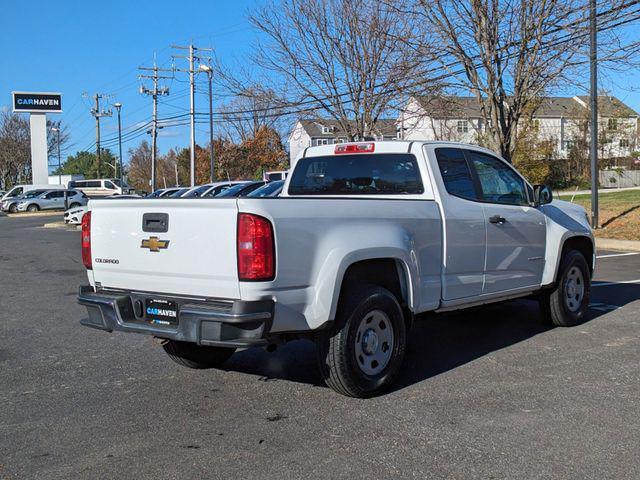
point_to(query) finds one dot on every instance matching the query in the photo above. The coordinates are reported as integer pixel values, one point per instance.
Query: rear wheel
(74, 205)
(567, 304)
(191, 355)
(363, 357)
(33, 208)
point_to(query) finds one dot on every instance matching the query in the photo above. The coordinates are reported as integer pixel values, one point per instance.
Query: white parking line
(618, 255)
(605, 284)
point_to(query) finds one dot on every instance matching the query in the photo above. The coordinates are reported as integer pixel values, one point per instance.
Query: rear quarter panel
(318, 238)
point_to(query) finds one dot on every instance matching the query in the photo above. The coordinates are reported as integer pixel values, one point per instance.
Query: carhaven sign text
(37, 102)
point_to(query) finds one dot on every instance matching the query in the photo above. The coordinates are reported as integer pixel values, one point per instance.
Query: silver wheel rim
(574, 289)
(374, 342)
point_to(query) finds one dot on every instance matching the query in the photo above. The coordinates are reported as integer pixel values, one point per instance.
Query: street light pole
(209, 71)
(118, 107)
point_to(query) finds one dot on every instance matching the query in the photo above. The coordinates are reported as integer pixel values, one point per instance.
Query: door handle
(497, 219)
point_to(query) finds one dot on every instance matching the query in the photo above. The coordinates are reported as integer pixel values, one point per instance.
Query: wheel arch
(389, 272)
(583, 244)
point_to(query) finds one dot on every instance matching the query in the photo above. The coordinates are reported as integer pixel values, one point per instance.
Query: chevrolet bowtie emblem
(154, 244)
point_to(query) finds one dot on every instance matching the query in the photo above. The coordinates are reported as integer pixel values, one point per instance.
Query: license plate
(161, 312)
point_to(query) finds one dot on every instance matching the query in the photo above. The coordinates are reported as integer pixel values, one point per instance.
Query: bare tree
(346, 59)
(253, 109)
(15, 149)
(510, 53)
(507, 53)
(52, 139)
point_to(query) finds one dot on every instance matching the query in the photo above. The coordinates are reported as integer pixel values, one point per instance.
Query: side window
(499, 183)
(109, 185)
(455, 173)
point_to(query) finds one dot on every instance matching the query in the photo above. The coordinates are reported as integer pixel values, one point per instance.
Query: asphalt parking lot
(491, 394)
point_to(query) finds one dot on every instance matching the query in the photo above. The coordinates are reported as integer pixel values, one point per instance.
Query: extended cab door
(516, 231)
(464, 232)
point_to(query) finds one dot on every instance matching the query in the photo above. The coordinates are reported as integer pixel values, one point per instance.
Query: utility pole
(154, 122)
(118, 106)
(593, 53)
(192, 113)
(97, 113)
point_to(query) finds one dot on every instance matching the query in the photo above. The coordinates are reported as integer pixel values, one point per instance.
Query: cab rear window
(360, 174)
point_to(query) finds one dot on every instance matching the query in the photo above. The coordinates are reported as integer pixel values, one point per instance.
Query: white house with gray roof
(312, 132)
(561, 119)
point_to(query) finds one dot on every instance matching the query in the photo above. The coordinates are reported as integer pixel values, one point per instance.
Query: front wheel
(363, 355)
(13, 208)
(74, 205)
(567, 304)
(33, 208)
(191, 355)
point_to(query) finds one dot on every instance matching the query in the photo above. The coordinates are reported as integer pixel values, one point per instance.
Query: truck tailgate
(196, 255)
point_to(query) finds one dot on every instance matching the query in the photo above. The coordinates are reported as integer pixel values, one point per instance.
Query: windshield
(269, 190)
(179, 192)
(117, 182)
(14, 192)
(239, 190)
(231, 191)
(197, 192)
(373, 174)
(215, 191)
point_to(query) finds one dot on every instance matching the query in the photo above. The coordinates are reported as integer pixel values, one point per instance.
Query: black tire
(33, 208)
(73, 205)
(562, 306)
(337, 357)
(191, 355)
(13, 208)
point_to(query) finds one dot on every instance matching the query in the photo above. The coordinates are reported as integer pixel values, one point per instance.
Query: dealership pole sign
(35, 102)
(38, 105)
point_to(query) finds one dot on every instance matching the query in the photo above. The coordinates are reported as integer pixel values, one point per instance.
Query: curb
(35, 214)
(613, 244)
(61, 226)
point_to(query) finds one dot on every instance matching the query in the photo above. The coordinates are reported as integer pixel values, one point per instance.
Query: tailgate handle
(155, 222)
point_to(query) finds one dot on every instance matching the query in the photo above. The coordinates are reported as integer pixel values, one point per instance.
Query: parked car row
(33, 198)
(44, 199)
(240, 188)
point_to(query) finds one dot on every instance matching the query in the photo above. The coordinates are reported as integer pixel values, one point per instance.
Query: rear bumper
(231, 323)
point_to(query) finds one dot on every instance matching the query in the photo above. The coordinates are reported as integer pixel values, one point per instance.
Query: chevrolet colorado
(364, 237)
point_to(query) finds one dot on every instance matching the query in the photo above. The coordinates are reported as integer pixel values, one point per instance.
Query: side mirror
(542, 194)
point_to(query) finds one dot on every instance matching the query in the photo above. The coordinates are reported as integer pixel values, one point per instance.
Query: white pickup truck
(364, 237)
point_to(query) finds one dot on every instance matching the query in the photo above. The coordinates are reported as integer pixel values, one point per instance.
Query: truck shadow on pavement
(437, 343)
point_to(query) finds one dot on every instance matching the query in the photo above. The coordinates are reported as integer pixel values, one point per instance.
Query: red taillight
(256, 248)
(355, 148)
(86, 240)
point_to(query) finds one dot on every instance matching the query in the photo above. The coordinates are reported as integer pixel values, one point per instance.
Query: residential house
(563, 120)
(312, 132)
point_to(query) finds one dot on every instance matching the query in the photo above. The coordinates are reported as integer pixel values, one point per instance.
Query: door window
(455, 173)
(109, 185)
(499, 182)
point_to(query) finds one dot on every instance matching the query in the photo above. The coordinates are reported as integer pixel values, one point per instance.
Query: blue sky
(75, 47)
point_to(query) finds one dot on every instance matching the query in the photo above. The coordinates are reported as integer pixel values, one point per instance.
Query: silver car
(52, 200)
(11, 204)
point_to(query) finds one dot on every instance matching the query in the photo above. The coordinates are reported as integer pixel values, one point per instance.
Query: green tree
(85, 163)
